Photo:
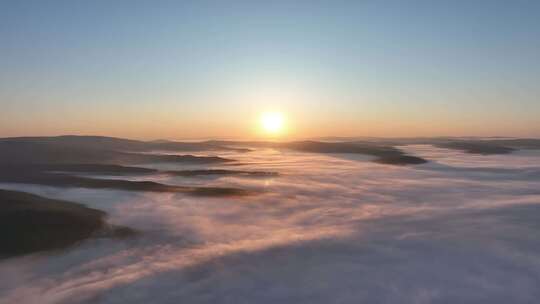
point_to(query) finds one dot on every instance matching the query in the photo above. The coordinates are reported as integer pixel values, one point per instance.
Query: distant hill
(97, 149)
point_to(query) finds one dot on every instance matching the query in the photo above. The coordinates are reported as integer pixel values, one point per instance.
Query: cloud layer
(329, 229)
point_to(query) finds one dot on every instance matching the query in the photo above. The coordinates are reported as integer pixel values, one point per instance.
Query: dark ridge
(343, 147)
(486, 146)
(64, 180)
(401, 160)
(28, 152)
(116, 144)
(120, 170)
(385, 154)
(106, 150)
(476, 147)
(135, 158)
(40, 153)
(191, 146)
(218, 191)
(188, 173)
(522, 143)
(79, 168)
(103, 142)
(31, 223)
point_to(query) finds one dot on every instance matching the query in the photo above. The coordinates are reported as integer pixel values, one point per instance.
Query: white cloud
(461, 229)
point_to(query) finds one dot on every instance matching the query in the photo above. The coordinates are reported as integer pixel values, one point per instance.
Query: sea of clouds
(462, 228)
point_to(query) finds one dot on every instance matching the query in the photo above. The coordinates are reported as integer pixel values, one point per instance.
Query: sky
(210, 69)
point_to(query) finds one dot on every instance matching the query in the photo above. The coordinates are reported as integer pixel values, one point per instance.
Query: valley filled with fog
(307, 228)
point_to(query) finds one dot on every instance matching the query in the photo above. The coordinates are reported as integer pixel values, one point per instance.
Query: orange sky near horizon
(248, 126)
(209, 69)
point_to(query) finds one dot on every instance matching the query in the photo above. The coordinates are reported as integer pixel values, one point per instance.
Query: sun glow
(272, 122)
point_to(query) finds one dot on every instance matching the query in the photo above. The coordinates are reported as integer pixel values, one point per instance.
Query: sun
(272, 122)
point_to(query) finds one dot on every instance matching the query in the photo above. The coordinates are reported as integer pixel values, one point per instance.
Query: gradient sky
(193, 69)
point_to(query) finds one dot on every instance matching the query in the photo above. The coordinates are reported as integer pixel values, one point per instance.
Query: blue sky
(182, 69)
